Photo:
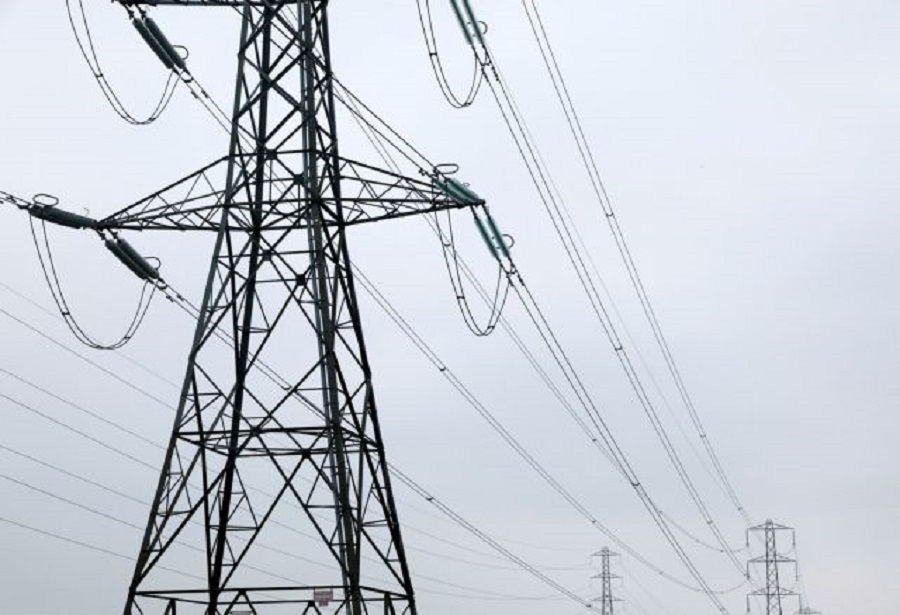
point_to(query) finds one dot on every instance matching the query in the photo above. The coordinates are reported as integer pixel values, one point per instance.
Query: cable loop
(427, 25)
(88, 51)
(51, 276)
(42, 199)
(446, 168)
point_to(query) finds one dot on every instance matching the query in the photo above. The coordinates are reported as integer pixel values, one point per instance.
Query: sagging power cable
(384, 139)
(81, 29)
(553, 206)
(173, 58)
(574, 381)
(487, 594)
(434, 57)
(573, 120)
(44, 208)
(149, 286)
(475, 531)
(452, 262)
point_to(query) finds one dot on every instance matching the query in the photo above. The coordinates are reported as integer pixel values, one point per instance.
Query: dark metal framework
(301, 449)
(773, 592)
(607, 600)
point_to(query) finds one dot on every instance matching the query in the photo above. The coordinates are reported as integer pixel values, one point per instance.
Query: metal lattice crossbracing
(300, 449)
(773, 592)
(606, 598)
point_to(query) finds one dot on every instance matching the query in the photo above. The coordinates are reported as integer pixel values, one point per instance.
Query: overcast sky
(750, 152)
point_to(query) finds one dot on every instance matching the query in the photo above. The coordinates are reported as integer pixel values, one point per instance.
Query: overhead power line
(78, 543)
(573, 120)
(530, 155)
(119, 451)
(419, 490)
(439, 364)
(328, 261)
(49, 494)
(581, 393)
(81, 29)
(434, 57)
(501, 430)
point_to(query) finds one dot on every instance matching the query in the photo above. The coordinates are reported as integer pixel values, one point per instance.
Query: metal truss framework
(280, 284)
(606, 598)
(773, 592)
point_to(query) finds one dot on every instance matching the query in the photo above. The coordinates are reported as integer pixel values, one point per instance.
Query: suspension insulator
(474, 22)
(130, 257)
(150, 272)
(169, 47)
(459, 192)
(114, 247)
(486, 236)
(148, 37)
(462, 22)
(62, 217)
(497, 235)
(158, 42)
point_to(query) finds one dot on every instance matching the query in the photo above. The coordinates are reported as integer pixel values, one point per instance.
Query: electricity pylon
(773, 592)
(300, 448)
(607, 600)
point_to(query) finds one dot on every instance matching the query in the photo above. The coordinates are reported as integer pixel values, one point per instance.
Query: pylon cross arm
(369, 194)
(206, 3)
(773, 592)
(12, 199)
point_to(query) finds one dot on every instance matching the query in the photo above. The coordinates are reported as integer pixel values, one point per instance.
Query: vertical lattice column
(276, 450)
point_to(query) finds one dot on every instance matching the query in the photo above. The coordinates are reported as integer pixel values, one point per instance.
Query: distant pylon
(607, 600)
(773, 591)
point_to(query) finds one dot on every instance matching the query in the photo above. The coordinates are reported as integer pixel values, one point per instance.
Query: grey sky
(750, 152)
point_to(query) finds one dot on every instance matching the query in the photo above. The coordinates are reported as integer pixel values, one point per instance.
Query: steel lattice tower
(253, 448)
(772, 560)
(607, 600)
